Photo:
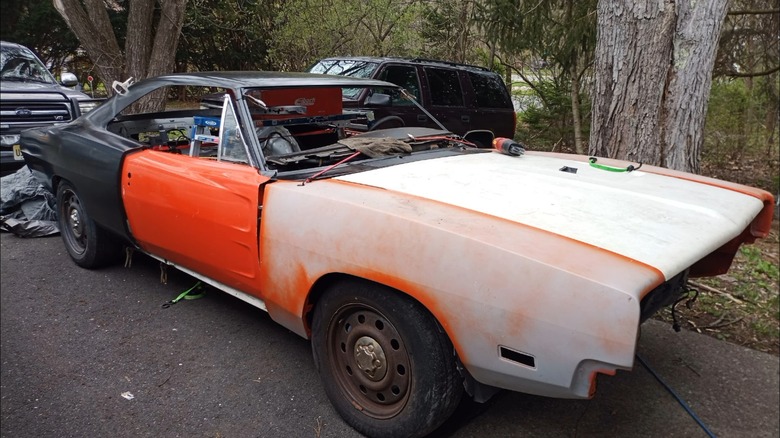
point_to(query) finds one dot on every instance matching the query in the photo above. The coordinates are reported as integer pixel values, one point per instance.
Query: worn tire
(387, 366)
(87, 244)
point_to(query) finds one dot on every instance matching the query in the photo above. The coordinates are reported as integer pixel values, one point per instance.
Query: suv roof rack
(454, 64)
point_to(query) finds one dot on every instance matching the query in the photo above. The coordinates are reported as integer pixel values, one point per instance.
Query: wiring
(677, 397)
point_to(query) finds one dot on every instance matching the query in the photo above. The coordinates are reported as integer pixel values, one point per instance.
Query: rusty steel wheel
(387, 366)
(370, 361)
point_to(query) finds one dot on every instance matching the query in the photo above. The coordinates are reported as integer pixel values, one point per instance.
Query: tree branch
(754, 12)
(752, 74)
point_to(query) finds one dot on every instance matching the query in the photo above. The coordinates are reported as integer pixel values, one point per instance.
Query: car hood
(663, 221)
(38, 87)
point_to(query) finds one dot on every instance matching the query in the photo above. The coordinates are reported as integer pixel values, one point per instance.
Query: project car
(422, 268)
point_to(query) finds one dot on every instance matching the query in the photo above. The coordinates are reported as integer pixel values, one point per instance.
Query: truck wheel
(87, 244)
(387, 366)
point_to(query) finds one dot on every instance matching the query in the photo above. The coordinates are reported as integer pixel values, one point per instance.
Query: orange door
(199, 213)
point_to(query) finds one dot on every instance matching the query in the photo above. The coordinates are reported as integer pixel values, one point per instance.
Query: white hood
(665, 222)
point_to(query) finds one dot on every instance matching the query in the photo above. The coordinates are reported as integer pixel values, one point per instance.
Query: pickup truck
(30, 97)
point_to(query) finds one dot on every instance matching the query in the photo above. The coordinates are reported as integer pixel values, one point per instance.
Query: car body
(30, 97)
(460, 96)
(419, 266)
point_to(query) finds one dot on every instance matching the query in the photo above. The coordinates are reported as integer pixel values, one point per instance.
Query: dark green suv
(462, 97)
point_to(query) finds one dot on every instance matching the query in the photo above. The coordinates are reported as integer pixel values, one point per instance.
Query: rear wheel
(87, 244)
(387, 366)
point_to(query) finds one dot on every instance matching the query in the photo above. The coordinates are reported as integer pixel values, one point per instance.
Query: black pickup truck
(30, 97)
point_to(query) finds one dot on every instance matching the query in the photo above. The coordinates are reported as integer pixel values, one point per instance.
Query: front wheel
(387, 366)
(87, 244)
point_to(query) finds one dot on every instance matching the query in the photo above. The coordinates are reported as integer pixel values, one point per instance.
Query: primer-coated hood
(665, 222)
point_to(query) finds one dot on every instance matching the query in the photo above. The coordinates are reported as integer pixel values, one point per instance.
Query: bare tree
(653, 73)
(153, 29)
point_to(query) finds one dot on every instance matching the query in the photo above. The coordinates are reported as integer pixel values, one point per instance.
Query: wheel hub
(75, 222)
(370, 358)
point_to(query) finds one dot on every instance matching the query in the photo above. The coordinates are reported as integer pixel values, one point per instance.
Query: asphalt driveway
(93, 354)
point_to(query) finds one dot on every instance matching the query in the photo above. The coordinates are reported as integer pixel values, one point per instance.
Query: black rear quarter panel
(90, 159)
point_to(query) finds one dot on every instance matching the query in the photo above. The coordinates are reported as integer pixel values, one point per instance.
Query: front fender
(489, 282)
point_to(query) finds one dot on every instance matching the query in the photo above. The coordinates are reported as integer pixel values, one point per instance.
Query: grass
(742, 306)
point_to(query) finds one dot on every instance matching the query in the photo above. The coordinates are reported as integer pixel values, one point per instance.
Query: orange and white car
(422, 268)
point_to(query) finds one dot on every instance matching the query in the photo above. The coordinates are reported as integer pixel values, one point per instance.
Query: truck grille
(34, 112)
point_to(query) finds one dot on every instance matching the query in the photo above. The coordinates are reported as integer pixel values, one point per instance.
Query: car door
(406, 76)
(198, 211)
(446, 99)
(490, 104)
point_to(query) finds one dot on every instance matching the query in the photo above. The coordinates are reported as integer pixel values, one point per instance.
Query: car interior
(296, 129)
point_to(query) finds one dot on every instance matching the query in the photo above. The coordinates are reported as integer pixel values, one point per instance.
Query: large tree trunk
(149, 50)
(90, 23)
(654, 62)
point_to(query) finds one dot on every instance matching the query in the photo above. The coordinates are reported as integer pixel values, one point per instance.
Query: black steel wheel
(386, 364)
(87, 244)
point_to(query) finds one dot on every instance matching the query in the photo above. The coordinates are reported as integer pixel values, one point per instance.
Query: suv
(462, 97)
(31, 97)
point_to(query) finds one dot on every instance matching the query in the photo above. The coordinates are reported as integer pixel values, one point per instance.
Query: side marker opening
(517, 356)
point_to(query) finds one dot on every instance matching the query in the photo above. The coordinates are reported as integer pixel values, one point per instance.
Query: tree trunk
(163, 52)
(690, 80)
(138, 42)
(94, 32)
(149, 50)
(575, 107)
(653, 75)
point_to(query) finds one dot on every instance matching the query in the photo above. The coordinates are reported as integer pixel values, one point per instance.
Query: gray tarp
(26, 208)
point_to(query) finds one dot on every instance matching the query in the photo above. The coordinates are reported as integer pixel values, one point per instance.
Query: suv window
(490, 91)
(404, 76)
(445, 87)
(346, 67)
(461, 97)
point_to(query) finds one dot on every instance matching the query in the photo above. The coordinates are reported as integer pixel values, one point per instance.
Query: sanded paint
(627, 213)
(488, 281)
(760, 226)
(488, 278)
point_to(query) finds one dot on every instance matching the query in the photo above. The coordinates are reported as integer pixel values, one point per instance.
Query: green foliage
(306, 30)
(545, 122)
(758, 266)
(37, 25)
(728, 106)
(560, 32)
(227, 35)
(550, 46)
(449, 33)
(741, 132)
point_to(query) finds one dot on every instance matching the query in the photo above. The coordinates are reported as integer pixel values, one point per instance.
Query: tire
(387, 122)
(387, 366)
(87, 244)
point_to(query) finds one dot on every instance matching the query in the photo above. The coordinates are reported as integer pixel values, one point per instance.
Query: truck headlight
(9, 139)
(86, 106)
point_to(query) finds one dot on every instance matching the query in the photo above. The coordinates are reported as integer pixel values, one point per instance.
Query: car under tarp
(27, 209)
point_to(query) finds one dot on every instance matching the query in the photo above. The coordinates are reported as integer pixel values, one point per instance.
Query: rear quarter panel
(87, 157)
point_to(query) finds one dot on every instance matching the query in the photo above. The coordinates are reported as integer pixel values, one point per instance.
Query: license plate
(18, 153)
